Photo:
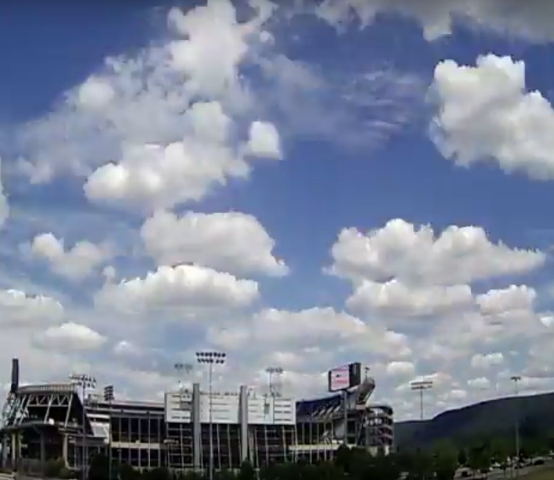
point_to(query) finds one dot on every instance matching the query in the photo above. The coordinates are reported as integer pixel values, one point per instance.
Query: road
(501, 475)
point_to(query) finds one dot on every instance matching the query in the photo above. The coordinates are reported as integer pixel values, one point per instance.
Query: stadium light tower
(210, 358)
(85, 382)
(183, 370)
(274, 388)
(421, 386)
(109, 397)
(516, 379)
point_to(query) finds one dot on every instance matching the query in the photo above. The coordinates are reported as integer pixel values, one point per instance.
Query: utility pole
(85, 382)
(210, 358)
(108, 397)
(421, 386)
(516, 379)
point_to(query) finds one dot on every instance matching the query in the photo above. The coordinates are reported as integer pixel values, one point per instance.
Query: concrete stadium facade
(42, 422)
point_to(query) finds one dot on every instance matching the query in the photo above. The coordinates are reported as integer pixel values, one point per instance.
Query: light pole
(273, 388)
(182, 370)
(108, 397)
(516, 379)
(210, 358)
(420, 386)
(85, 382)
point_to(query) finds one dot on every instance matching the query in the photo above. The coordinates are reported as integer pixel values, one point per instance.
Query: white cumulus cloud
(484, 113)
(19, 309)
(184, 287)
(512, 298)
(457, 255)
(230, 241)
(75, 263)
(70, 337)
(487, 360)
(392, 298)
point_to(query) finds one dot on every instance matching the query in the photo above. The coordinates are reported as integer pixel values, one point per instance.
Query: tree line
(439, 462)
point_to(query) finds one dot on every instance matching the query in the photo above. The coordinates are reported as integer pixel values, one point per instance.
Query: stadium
(50, 421)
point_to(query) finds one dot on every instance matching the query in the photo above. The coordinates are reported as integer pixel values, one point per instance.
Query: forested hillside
(492, 418)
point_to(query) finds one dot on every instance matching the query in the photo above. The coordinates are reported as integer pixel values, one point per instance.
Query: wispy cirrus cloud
(363, 108)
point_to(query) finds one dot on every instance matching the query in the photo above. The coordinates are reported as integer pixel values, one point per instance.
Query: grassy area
(544, 474)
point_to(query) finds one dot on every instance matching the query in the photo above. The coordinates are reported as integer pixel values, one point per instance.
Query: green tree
(191, 475)
(550, 442)
(246, 472)
(290, 471)
(479, 458)
(269, 472)
(311, 472)
(501, 449)
(422, 466)
(156, 474)
(126, 472)
(54, 468)
(404, 460)
(327, 471)
(362, 464)
(462, 457)
(343, 458)
(386, 467)
(225, 475)
(281, 471)
(445, 461)
(98, 467)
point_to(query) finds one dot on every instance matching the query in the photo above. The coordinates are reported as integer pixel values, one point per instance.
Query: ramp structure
(43, 422)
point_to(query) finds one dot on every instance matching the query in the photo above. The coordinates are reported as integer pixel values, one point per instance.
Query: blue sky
(179, 179)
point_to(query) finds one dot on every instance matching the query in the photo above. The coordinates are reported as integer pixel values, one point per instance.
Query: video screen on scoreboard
(339, 378)
(345, 377)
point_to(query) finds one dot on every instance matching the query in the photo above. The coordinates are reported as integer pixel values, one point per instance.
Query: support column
(42, 448)
(140, 444)
(196, 426)
(65, 456)
(161, 436)
(14, 449)
(243, 418)
(4, 450)
(150, 441)
(130, 430)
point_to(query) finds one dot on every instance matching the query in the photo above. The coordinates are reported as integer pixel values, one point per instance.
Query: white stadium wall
(178, 407)
(264, 410)
(225, 409)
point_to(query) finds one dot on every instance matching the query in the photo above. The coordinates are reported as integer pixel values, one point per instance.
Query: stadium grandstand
(322, 425)
(51, 421)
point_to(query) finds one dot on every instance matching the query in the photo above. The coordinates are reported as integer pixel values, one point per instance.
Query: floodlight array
(84, 381)
(213, 358)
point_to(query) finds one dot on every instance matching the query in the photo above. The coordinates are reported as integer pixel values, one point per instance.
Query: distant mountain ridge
(484, 419)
